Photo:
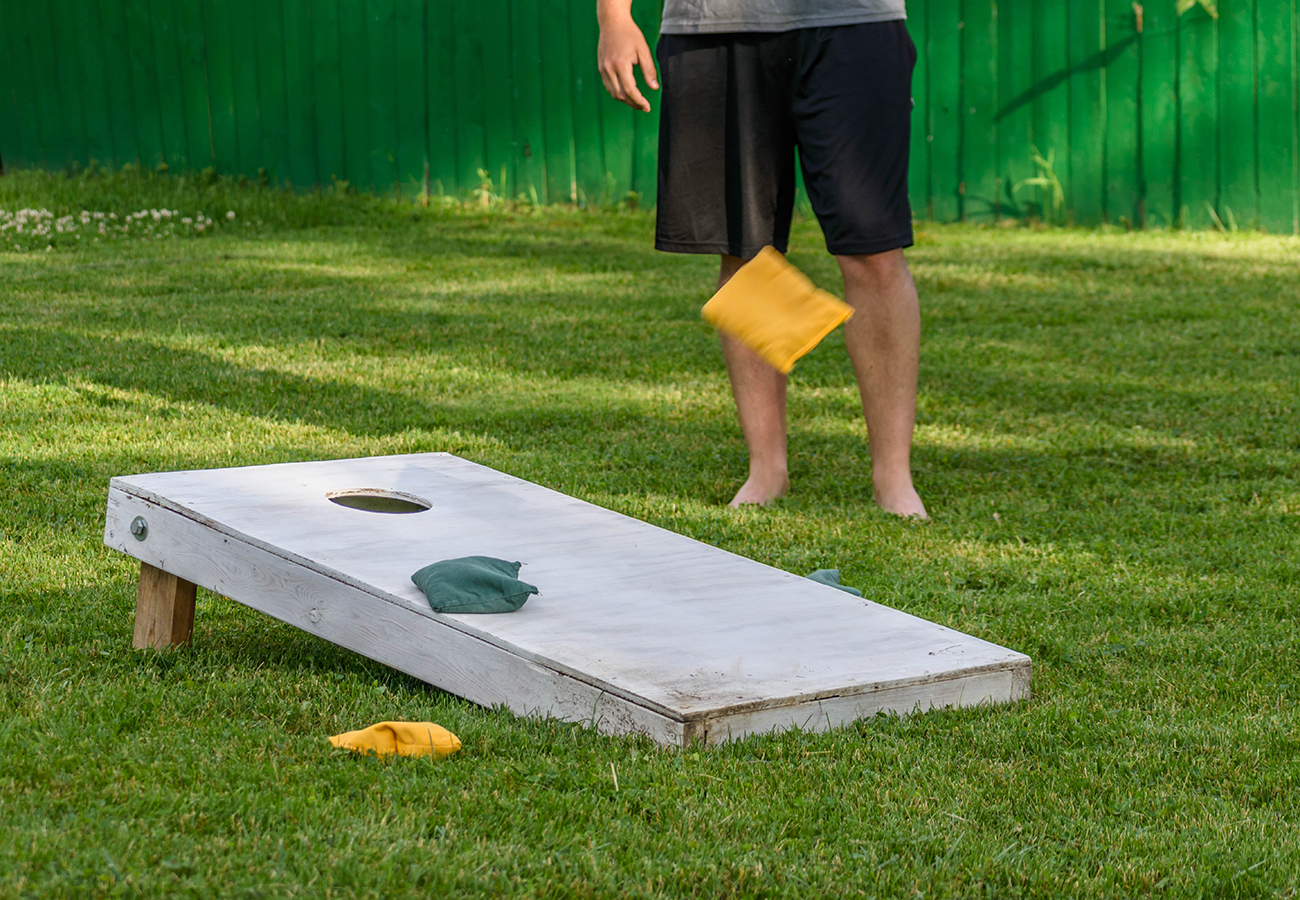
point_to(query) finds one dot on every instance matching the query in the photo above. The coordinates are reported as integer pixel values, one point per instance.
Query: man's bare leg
(759, 391)
(884, 344)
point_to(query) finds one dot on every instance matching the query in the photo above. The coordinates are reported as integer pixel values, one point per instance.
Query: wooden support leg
(164, 609)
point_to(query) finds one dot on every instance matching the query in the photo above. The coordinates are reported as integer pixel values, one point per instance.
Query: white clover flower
(230, 214)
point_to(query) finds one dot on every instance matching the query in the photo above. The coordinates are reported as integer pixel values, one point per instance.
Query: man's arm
(622, 47)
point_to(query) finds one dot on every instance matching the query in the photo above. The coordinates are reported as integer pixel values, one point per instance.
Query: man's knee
(875, 272)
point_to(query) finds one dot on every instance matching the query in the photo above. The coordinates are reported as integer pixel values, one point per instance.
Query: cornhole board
(636, 629)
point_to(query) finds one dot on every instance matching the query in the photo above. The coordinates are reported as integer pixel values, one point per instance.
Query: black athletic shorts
(734, 108)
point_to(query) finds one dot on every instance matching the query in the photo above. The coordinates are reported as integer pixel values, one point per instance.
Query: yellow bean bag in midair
(772, 308)
(402, 738)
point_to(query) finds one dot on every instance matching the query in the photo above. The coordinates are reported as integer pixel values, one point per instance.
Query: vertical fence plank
(272, 104)
(194, 85)
(12, 155)
(26, 101)
(1159, 106)
(1238, 190)
(144, 84)
(354, 73)
(221, 85)
(526, 66)
(1052, 98)
(381, 30)
(587, 88)
(646, 139)
(327, 85)
(20, 71)
(1120, 201)
(498, 100)
(300, 95)
(1016, 87)
(171, 96)
(981, 188)
(243, 67)
(945, 110)
(411, 101)
(1279, 99)
(918, 166)
(70, 77)
(117, 81)
(1198, 114)
(470, 133)
(1087, 111)
(22, 146)
(1278, 192)
(441, 38)
(557, 99)
(44, 86)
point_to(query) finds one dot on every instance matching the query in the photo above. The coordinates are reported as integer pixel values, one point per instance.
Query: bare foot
(903, 501)
(760, 490)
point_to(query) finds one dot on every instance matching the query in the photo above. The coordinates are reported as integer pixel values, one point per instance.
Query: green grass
(1107, 442)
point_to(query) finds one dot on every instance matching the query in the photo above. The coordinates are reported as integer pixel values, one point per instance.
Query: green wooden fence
(382, 94)
(1146, 116)
(1149, 117)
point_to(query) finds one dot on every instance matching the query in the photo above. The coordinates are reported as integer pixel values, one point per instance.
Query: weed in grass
(1106, 440)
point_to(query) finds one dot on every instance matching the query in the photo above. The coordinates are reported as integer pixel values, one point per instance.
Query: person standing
(745, 82)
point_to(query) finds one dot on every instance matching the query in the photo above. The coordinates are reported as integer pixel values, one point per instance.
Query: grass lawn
(1107, 441)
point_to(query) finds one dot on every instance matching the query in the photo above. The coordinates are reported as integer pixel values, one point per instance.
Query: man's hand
(622, 47)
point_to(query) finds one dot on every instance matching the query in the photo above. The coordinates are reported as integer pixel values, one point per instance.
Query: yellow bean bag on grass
(402, 738)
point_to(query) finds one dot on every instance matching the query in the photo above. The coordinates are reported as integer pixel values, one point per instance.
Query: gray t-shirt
(712, 16)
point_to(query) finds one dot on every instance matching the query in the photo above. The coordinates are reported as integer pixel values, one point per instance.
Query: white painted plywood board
(636, 627)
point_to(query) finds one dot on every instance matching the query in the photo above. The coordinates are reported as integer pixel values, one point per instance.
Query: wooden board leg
(164, 609)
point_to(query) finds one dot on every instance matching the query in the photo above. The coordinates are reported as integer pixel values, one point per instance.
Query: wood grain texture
(1015, 118)
(164, 609)
(1198, 119)
(1278, 91)
(1087, 113)
(194, 84)
(557, 103)
(409, 65)
(300, 93)
(144, 84)
(171, 94)
(981, 188)
(381, 33)
(12, 153)
(441, 93)
(666, 629)
(219, 70)
(1122, 126)
(327, 83)
(526, 67)
(1159, 109)
(947, 179)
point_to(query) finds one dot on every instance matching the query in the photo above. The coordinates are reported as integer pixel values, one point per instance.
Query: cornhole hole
(636, 629)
